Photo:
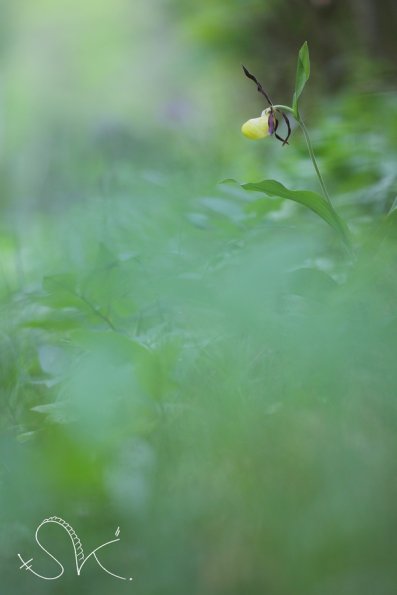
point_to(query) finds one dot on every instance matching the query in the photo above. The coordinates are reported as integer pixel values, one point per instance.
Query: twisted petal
(256, 128)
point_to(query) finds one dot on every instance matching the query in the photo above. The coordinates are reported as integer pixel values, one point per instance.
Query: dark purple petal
(288, 127)
(259, 86)
(284, 140)
(271, 122)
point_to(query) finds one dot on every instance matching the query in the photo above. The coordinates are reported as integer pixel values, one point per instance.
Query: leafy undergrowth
(214, 373)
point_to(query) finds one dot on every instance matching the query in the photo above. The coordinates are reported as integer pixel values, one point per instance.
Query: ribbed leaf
(313, 201)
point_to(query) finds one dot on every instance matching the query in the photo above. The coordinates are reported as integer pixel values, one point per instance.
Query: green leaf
(313, 201)
(58, 412)
(54, 321)
(261, 207)
(302, 75)
(61, 291)
(311, 283)
(119, 350)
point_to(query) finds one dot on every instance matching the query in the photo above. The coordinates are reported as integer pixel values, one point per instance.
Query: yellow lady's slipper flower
(267, 123)
(261, 127)
(256, 128)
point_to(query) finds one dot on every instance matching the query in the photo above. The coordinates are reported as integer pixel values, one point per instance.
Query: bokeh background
(207, 370)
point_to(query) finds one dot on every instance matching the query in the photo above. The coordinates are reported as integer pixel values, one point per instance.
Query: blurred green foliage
(202, 366)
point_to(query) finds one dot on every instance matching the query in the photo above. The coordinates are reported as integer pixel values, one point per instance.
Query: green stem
(285, 108)
(313, 158)
(343, 228)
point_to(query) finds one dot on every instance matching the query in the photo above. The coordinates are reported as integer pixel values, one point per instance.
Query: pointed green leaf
(302, 75)
(313, 201)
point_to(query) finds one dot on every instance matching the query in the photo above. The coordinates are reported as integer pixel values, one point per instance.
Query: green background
(204, 367)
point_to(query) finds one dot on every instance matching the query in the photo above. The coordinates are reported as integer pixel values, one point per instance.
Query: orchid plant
(267, 124)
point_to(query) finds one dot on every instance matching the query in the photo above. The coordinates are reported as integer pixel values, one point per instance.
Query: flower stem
(313, 158)
(297, 117)
(342, 226)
